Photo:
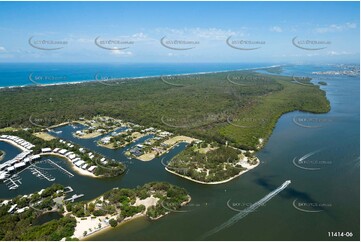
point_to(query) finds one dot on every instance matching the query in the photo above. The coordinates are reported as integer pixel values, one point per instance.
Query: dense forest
(215, 165)
(237, 106)
(118, 201)
(121, 201)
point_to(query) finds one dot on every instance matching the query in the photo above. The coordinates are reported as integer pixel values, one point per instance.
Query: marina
(13, 182)
(63, 170)
(41, 174)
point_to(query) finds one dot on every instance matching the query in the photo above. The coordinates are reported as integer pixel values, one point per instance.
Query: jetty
(63, 170)
(72, 198)
(41, 174)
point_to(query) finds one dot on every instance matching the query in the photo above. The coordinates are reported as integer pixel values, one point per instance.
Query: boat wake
(245, 212)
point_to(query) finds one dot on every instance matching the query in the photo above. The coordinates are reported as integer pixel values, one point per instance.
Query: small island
(210, 164)
(80, 219)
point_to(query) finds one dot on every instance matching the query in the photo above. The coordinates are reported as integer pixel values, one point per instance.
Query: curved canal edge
(218, 182)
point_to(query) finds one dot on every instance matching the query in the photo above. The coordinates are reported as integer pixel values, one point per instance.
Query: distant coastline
(134, 78)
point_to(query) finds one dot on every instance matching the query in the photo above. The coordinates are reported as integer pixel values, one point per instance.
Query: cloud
(336, 53)
(199, 33)
(121, 53)
(2, 49)
(336, 28)
(212, 33)
(91, 39)
(139, 37)
(276, 29)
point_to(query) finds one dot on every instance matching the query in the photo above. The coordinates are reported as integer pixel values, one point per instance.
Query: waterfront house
(92, 168)
(45, 150)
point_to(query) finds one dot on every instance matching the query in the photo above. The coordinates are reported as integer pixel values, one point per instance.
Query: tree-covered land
(218, 164)
(121, 202)
(240, 107)
(117, 204)
(20, 225)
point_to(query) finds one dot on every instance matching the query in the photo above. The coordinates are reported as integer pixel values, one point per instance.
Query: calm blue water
(50, 73)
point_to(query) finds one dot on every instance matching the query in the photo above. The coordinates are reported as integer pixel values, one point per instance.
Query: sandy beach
(14, 144)
(84, 225)
(2, 155)
(137, 78)
(94, 225)
(91, 225)
(249, 167)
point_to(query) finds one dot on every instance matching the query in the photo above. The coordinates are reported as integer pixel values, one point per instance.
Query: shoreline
(173, 142)
(129, 219)
(78, 170)
(3, 155)
(134, 78)
(58, 125)
(108, 227)
(144, 159)
(217, 182)
(14, 144)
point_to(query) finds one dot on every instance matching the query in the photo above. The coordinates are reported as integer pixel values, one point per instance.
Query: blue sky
(325, 32)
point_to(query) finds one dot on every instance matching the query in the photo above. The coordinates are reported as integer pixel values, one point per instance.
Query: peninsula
(224, 117)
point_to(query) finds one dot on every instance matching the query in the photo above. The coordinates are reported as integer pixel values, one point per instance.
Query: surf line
(243, 213)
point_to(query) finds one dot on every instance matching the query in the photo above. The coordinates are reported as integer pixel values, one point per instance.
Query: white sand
(84, 224)
(248, 168)
(14, 144)
(91, 225)
(149, 201)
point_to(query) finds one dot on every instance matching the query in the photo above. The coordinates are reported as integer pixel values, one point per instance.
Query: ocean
(26, 74)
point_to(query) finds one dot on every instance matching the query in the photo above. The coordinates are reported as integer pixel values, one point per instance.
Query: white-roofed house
(92, 168)
(45, 150)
